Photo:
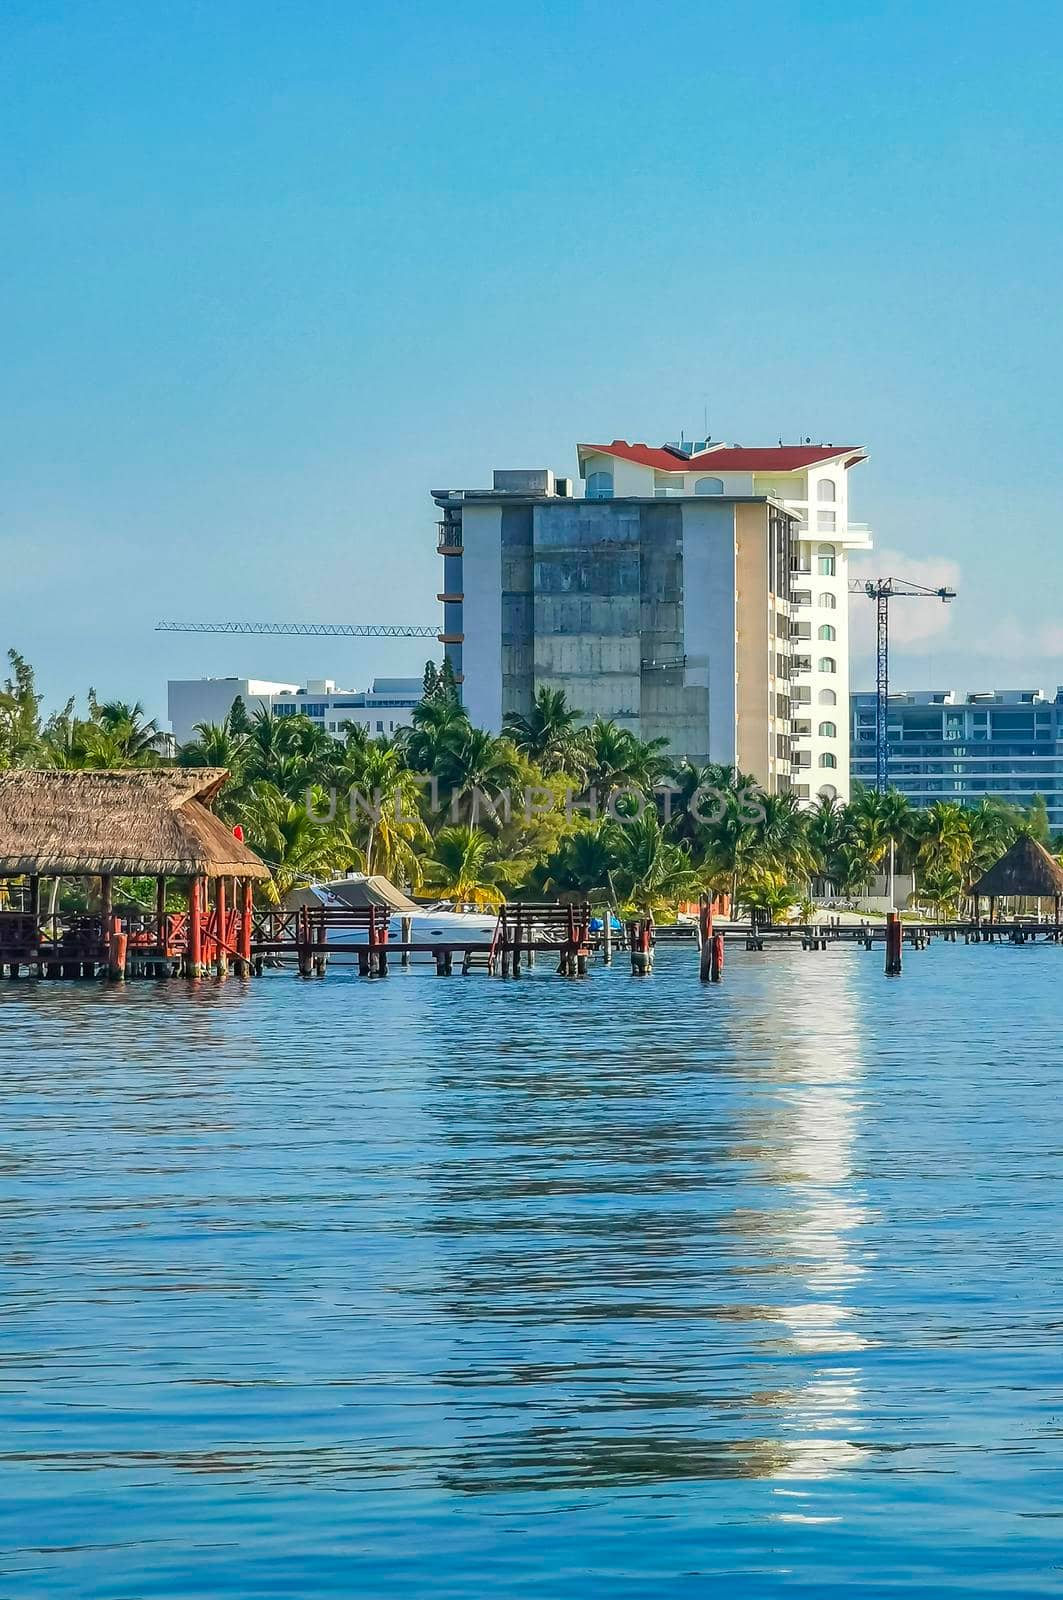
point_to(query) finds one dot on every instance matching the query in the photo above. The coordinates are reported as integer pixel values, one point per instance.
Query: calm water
(546, 1289)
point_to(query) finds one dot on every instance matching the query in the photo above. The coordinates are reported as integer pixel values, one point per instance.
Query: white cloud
(912, 619)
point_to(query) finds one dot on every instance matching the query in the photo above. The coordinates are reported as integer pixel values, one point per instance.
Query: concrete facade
(671, 619)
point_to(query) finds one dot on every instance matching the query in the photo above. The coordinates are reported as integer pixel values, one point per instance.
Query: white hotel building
(812, 704)
(381, 710)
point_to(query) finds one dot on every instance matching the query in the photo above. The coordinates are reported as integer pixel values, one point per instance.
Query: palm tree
(435, 725)
(461, 867)
(135, 739)
(217, 745)
(583, 862)
(20, 715)
(547, 735)
(471, 759)
(614, 758)
(651, 871)
(294, 845)
(944, 845)
(384, 809)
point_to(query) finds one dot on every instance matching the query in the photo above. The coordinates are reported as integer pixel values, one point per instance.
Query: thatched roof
(356, 891)
(1025, 869)
(131, 822)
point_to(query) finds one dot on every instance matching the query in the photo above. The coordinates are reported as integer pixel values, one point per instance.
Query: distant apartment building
(1005, 743)
(381, 709)
(672, 620)
(718, 619)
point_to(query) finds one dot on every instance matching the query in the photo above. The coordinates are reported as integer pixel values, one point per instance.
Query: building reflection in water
(648, 1263)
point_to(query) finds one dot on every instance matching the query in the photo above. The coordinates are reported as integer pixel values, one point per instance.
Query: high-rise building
(1005, 743)
(673, 619)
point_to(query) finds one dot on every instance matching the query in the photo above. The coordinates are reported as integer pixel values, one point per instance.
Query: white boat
(433, 924)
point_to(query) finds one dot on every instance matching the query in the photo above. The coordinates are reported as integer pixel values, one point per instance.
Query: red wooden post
(717, 957)
(245, 929)
(705, 937)
(894, 938)
(194, 942)
(160, 915)
(221, 962)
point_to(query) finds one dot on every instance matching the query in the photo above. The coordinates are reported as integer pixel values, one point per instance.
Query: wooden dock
(250, 940)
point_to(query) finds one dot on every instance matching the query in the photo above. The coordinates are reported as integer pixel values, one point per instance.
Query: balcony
(448, 541)
(800, 664)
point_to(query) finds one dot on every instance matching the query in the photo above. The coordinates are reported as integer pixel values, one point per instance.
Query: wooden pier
(100, 826)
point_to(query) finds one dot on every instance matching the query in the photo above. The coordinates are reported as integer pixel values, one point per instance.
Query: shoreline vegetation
(551, 808)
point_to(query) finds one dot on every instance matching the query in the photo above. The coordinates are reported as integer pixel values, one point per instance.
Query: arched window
(600, 486)
(828, 730)
(827, 562)
(827, 697)
(828, 792)
(826, 631)
(826, 489)
(827, 664)
(708, 486)
(827, 759)
(828, 601)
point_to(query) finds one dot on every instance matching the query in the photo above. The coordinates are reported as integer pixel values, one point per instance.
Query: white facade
(192, 700)
(818, 493)
(381, 709)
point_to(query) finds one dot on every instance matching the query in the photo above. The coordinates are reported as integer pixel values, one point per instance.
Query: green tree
(20, 715)
(547, 735)
(463, 868)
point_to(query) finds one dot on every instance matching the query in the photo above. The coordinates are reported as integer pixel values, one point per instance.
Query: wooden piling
(221, 959)
(894, 943)
(705, 937)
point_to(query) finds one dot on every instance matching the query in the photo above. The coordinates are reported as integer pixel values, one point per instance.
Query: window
(666, 483)
(825, 490)
(828, 792)
(708, 486)
(600, 486)
(827, 561)
(827, 759)
(828, 601)
(379, 726)
(826, 521)
(828, 730)
(825, 631)
(827, 697)
(827, 664)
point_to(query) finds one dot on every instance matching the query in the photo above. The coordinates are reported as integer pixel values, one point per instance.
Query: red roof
(727, 457)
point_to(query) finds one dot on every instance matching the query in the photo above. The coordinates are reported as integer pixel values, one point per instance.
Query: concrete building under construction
(667, 612)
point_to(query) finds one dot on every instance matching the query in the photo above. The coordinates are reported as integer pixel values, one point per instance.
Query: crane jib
(350, 630)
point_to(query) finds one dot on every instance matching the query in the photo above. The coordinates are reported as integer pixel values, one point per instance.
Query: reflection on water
(437, 1287)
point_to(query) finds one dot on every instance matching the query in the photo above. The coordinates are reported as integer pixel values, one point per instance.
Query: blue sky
(273, 272)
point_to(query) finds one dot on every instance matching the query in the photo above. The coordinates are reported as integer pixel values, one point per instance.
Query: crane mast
(882, 591)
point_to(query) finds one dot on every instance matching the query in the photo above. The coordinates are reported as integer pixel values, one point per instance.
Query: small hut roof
(133, 822)
(1025, 869)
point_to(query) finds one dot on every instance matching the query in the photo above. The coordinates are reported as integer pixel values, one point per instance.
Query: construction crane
(882, 591)
(349, 630)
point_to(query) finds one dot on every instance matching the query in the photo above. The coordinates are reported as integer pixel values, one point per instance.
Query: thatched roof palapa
(1026, 869)
(133, 822)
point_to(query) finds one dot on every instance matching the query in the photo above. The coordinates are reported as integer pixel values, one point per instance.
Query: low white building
(381, 709)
